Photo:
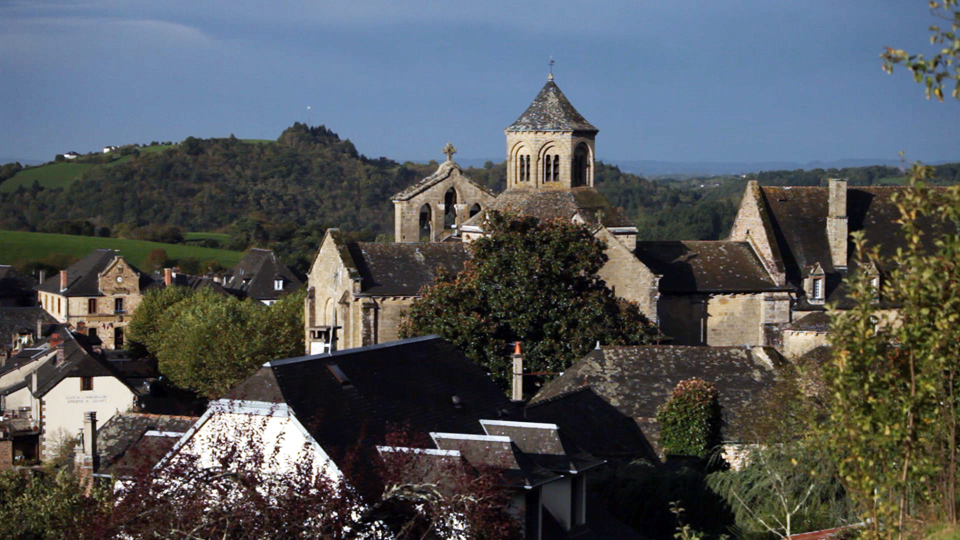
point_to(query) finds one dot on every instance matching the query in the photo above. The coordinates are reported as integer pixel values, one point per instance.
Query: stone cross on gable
(449, 150)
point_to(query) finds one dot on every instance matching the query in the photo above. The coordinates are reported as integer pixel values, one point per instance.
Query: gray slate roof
(16, 289)
(706, 266)
(83, 276)
(443, 172)
(16, 319)
(253, 277)
(402, 269)
(561, 204)
(551, 111)
(638, 379)
(121, 445)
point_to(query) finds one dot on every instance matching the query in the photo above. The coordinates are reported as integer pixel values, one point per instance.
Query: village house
(260, 276)
(97, 295)
(343, 408)
(46, 389)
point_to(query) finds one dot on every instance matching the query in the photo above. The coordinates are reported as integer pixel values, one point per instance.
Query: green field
(52, 175)
(219, 237)
(16, 246)
(58, 175)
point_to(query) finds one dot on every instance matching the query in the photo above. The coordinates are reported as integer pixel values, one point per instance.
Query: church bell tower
(551, 145)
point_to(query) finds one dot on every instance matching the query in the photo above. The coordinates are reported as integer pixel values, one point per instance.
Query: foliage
(690, 421)
(157, 259)
(784, 489)
(209, 342)
(642, 495)
(936, 72)
(143, 332)
(36, 505)
(530, 282)
(26, 246)
(892, 425)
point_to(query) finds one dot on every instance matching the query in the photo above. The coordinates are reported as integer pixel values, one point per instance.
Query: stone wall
(538, 143)
(796, 344)
(407, 212)
(722, 320)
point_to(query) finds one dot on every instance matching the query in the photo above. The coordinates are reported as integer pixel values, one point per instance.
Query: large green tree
(531, 282)
(209, 342)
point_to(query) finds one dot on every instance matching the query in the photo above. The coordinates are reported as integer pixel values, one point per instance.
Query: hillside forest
(284, 194)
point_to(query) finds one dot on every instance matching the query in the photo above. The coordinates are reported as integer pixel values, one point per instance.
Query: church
(766, 285)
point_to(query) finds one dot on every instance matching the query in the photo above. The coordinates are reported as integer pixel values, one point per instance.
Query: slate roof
(545, 444)
(551, 111)
(16, 289)
(402, 269)
(79, 361)
(124, 446)
(191, 282)
(706, 267)
(443, 172)
(593, 424)
(519, 469)
(638, 379)
(358, 396)
(16, 319)
(83, 278)
(550, 204)
(817, 321)
(253, 277)
(798, 216)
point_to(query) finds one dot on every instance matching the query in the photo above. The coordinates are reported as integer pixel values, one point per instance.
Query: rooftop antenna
(308, 116)
(550, 76)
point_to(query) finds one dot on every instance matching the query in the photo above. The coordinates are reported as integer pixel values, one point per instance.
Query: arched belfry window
(547, 168)
(581, 165)
(475, 209)
(522, 165)
(556, 168)
(450, 209)
(426, 223)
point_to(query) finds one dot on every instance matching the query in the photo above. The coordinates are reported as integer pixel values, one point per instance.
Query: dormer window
(278, 284)
(817, 289)
(875, 285)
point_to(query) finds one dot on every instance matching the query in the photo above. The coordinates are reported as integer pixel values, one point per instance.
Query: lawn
(219, 237)
(16, 245)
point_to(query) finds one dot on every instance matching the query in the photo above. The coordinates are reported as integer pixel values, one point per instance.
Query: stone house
(260, 276)
(97, 295)
(358, 290)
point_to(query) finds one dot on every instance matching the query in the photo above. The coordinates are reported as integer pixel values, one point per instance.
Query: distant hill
(710, 168)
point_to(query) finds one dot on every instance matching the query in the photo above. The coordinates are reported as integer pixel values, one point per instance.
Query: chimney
(43, 276)
(90, 441)
(39, 330)
(837, 227)
(167, 276)
(63, 280)
(517, 394)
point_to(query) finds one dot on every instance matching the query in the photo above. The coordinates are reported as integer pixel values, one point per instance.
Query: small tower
(551, 146)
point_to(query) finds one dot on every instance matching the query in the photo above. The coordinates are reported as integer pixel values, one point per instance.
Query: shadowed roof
(556, 204)
(706, 266)
(638, 379)
(551, 111)
(83, 277)
(402, 269)
(121, 445)
(255, 276)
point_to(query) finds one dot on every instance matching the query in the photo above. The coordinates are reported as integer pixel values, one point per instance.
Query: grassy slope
(220, 237)
(57, 175)
(15, 245)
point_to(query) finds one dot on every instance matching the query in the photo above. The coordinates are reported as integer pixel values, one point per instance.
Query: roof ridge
(344, 352)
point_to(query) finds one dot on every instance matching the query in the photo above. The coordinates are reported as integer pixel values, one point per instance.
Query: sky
(737, 80)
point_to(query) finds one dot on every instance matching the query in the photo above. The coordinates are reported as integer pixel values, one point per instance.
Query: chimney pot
(517, 393)
(167, 276)
(63, 280)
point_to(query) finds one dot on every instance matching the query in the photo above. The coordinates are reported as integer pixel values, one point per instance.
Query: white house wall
(65, 404)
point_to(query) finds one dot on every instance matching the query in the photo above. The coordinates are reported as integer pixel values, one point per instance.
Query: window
(875, 283)
(118, 338)
(818, 288)
(548, 168)
(556, 168)
(86, 384)
(58, 305)
(91, 332)
(118, 305)
(278, 284)
(91, 306)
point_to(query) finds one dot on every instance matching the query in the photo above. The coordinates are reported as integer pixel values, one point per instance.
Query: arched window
(475, 209)
(581, 164)
(556, 168)
(426, 223)
(450, 209)
(547, 168)
(522, 165)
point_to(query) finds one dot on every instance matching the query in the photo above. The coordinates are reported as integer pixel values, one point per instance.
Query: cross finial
(550, 76)
(449, 150)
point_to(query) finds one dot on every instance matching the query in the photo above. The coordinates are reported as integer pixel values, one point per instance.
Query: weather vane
(550, 77)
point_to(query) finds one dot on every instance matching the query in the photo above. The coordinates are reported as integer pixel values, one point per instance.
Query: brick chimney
(63, 280)
(167, 276)
(517, 394)
(837, 226)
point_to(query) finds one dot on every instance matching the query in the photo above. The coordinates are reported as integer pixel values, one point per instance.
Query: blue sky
(737, 80)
